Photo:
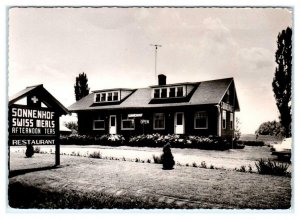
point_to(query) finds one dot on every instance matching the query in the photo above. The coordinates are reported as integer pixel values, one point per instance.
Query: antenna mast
(155, 45)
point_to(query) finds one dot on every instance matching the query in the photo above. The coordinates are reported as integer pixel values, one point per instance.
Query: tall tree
(81, 86)
(282, 79)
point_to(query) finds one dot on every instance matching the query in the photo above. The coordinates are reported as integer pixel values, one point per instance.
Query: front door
(179, 123)
(113, 124)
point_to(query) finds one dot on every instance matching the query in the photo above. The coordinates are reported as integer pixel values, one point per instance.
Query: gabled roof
(206, 93)
(46, 97)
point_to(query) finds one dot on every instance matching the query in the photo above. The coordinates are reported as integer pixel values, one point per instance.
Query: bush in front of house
(177, 141)
(110, 140)
(149, 140)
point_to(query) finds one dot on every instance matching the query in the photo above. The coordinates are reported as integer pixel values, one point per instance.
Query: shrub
(177, 141)
(194, 164)
(96, 154)
(156, 159)
(29, 151)
(242, 169)
(250, 169)
(203, 164)
(37, 149)
(137, 160)
(111, 140)
(167, 158)
(272, 167)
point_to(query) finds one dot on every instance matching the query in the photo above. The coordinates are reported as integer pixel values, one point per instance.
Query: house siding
(85, 121)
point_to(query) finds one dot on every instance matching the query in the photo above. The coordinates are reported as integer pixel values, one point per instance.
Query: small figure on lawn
(167, 158)
(29, 150)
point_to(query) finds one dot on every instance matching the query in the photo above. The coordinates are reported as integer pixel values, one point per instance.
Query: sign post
(33, 124)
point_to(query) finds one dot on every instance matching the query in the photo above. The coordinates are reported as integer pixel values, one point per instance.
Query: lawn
(82, 182)
(229, 159)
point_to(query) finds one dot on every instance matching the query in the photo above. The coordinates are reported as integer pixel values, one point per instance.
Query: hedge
(150, 140)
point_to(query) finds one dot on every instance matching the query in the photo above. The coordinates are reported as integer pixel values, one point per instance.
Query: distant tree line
(273, 128)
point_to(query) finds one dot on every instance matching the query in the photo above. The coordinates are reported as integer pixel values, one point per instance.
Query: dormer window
(179, 91)
(116, 96)
(97, 99)
(172, 92)
(163, 93)
(103, 97)
(107, 96)
(156, 93)
(169, 92)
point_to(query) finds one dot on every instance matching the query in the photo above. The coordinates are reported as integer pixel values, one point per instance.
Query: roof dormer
(164, 92)
(111, 95)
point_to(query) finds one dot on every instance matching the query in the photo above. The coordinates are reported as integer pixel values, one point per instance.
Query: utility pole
(155, 45)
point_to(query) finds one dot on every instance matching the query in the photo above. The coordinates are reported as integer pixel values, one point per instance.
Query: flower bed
(112, 140)
(177, 141)
(149, 140)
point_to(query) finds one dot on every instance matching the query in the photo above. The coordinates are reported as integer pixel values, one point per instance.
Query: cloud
(257, 57)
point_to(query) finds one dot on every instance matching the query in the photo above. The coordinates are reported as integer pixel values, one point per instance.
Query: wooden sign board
(227, 107)
(32, 126)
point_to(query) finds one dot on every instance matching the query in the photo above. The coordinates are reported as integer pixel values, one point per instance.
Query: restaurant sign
(35, 126)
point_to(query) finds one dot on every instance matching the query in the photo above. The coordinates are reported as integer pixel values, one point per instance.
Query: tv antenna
(156, 46)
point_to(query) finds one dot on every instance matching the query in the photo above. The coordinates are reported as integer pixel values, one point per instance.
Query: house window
(156, 93)
(224, 119)
(97, 99)
(116, 96)
(163, 92)
(179, 91)
(99, 123)
(109, 96)
(172, 92)
(127, 123)
(200, 120)
(159, 121)
(103, 97)
(231, 121)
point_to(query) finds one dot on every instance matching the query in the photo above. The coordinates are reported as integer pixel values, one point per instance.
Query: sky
(51, 46)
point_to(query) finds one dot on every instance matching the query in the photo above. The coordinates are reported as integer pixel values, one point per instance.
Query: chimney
(162, 79)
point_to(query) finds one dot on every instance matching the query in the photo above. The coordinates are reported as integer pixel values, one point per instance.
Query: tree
(71, 125)
(282, 79)
(237, 130)
(81, 86)
(273, 128)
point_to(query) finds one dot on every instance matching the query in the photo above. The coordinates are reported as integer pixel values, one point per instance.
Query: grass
(41, 199)
(98, 183)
